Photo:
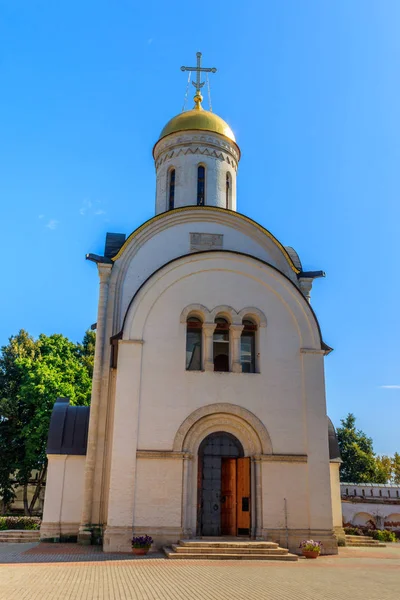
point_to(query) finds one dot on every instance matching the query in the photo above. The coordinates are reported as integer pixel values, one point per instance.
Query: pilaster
(104, 271)
(208, 330)
(235, 332)
(124, 446)
(316, 440)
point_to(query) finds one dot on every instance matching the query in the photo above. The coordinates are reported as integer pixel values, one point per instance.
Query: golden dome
(200, 119)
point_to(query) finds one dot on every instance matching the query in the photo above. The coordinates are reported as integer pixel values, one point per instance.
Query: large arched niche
(296, 306)
(233, 419)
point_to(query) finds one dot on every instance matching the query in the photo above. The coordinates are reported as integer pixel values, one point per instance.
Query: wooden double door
(223, 487)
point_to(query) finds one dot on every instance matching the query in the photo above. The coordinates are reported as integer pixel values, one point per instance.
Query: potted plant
(141, 544)
(310, 549)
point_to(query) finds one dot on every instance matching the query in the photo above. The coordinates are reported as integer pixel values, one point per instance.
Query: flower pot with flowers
(310, 549)
(141, 544)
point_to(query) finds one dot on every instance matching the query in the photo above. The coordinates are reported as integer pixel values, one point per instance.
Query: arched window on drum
(248, 346)
(171, 190)
(194, 339)
(228, 190)
(201, 185)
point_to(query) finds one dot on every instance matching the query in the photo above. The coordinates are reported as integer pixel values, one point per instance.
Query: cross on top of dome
(199, 69)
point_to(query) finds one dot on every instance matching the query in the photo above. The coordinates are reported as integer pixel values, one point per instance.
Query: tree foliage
(396, 468)
(33, 373)
(357, 453)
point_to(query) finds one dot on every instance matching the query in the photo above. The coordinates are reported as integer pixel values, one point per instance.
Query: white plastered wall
(158, 493)
(165, 241)
(288, 395)
(336, 498)
(64, 495)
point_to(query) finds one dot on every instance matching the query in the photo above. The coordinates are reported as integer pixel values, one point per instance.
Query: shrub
(353, 531)
(19, 523)
(383, 535)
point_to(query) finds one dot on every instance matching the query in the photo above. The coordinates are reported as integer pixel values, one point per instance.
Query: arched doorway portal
(223, 487)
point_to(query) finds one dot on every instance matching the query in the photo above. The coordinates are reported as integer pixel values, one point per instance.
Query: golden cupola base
(198, 119)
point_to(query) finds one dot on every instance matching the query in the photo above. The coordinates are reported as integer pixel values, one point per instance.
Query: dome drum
(196, 160)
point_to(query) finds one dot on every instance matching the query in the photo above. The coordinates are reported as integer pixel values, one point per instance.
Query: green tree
(12, 413)
(356, 449)
(32, 375)
(384, 468)
(396, 468)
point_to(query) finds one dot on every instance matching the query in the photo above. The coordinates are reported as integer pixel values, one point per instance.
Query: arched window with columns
(194, 335)
(248, 346)
(201, 185)
(221, 345)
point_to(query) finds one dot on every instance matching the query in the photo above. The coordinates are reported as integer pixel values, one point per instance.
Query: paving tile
(72, 572)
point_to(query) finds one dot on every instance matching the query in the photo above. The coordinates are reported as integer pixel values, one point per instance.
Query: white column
(187, 467)
(235, 332)
(316, 428)
(124, 446)
(258, 488)
(104, 271)
(208, 329)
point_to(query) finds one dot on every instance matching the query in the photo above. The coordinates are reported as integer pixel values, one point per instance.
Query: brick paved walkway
(70, 572)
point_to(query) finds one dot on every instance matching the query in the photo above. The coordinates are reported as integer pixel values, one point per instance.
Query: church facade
(208, 413)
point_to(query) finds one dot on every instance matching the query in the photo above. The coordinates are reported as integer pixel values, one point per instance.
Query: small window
(347, 491)
(171, 190)
(363, 492)
(380, 492)
(201, 180)
(355, 492)
(221, 345)
(248, 347)
(388, 493)
(397, 493)
(193, 344)
(227, 190)
(372, 492)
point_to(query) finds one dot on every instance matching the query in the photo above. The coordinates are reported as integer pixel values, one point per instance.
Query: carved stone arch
(255, 314)
(196, 309)
(223, 416)
(227, 312)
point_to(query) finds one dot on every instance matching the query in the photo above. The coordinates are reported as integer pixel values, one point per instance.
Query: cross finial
(198, 84)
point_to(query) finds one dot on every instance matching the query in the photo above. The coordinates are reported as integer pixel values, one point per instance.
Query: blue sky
(311, 90)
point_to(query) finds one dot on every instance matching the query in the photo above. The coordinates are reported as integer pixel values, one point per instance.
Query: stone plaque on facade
(206, 241)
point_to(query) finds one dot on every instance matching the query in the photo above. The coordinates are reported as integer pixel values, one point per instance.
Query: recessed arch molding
(224, 416)
(235, 317)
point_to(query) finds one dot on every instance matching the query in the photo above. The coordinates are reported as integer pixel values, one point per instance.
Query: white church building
(208, 412)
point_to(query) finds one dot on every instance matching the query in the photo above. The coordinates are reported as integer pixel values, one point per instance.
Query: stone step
(226, 544)
(18, 540)
(357, 537)
(365, 545)
(232, 550)
(19, 535)
(222, 556)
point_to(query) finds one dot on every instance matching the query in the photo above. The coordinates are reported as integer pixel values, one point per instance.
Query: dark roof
(68, 428)
(114, 241)
(334, 452)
